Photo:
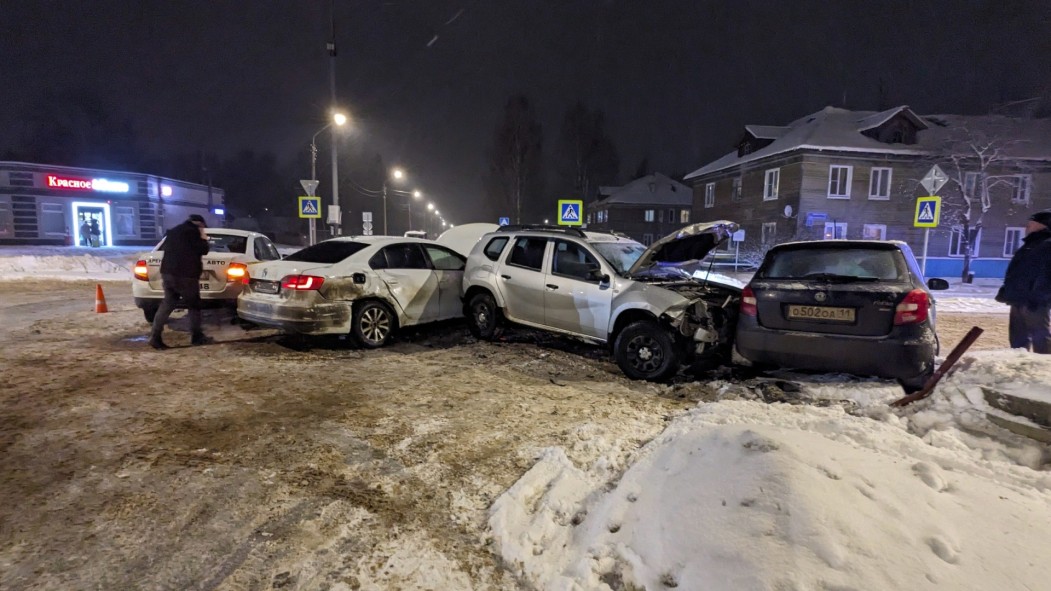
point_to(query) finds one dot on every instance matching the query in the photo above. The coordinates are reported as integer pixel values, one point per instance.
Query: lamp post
(397, 174)
(339, 120)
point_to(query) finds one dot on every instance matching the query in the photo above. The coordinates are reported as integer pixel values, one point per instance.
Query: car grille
(264, 286)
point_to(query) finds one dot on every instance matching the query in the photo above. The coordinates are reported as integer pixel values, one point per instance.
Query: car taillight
(748, 302)
(302, 282)
(141, 271)
(237, 272)
(913, 309)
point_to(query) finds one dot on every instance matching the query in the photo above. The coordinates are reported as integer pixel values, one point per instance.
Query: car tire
(645, 351)
(482, 316)
(373, 324)
(914, 384)
(149, 312)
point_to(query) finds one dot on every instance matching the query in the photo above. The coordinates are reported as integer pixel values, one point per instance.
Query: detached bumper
(904, 353)
(290, 315)
(146, 296)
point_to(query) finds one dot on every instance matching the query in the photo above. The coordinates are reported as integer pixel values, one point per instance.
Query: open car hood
(691, 243)
(462, 238)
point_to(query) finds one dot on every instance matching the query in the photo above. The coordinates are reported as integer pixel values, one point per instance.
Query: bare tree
(586, 155)
(514, 172)
(976, 162)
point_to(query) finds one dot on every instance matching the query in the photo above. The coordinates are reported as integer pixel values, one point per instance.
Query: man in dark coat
(1027, 287)
(181, 267)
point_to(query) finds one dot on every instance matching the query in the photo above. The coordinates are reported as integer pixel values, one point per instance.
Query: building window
(839, 181)
(7, 224)
(956, 241)
(735, 194)
(671, 216)
(52, 219)
(1012, 241)
(874, 232)
(771, 183)
(879, 183)
(647, 239)
(650, 216)
(1022, 184)
(835, 230)
(709, 195)
(125, 220)
(769, 235)
(970, 183)
(684, 216)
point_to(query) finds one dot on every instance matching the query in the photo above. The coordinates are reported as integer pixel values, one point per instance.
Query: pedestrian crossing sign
(569, 212)
(309, 207)
(928, 212)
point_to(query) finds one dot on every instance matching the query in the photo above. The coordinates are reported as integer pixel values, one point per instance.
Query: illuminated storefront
(41, 204)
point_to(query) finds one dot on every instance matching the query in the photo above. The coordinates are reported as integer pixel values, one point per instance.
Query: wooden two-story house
(838, 173)
(647, 208)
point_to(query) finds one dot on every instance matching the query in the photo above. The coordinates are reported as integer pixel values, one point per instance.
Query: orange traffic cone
(100, 300)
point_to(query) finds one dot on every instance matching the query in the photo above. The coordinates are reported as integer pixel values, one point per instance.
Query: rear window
(327, 252)
(804, 263)
(495, 247)
(221, 243)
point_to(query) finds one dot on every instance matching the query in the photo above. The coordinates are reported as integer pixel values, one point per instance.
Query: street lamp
(397, 174)
(339, 120)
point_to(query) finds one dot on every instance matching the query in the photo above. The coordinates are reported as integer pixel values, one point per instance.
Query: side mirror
(604, 281)
(935, 283)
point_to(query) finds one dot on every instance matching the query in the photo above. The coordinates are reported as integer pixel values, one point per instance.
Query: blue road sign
(505, 221)
(309, 207)
(928, 212)
(569, 212)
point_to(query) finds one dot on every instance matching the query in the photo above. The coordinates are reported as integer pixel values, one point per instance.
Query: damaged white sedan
(363, 286)
(657, 308)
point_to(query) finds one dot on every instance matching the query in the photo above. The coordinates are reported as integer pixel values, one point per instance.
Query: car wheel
(373, 324)
(914, 384)
(482, 316)
(645, 351)
(149, 311)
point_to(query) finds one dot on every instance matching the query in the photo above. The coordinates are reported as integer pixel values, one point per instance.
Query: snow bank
(44, 262)
(747, 495)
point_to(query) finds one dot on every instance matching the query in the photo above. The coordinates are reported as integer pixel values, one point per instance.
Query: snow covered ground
(739, 494)
(574, 477)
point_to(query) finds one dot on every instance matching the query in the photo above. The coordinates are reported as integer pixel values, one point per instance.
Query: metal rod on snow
(954, 356)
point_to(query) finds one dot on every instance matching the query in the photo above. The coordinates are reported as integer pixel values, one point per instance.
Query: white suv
(656, 307)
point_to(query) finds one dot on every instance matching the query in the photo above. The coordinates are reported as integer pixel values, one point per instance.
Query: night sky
(677, 80)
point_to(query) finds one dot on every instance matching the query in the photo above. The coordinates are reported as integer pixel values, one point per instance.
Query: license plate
(206, 286)
(821, 313)
(266, 286)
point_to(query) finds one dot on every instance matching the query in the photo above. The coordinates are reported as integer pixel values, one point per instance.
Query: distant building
(647, 208)
(43, 204)
(856, 174)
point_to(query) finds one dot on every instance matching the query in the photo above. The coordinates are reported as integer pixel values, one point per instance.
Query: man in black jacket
(181, 267)
(1027, 287)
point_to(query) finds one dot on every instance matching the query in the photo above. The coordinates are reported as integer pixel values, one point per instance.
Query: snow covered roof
(766, 132)
(841, 130)
(652, 189)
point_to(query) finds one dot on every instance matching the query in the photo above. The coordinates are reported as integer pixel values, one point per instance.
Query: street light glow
(397, 173)
(430, 207)
(339, 119)
(417, 194)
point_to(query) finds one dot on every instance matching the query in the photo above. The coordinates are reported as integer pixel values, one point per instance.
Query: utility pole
(385, 208)
(332, 84)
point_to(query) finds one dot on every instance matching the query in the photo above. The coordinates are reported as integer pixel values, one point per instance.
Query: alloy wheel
(375, 324)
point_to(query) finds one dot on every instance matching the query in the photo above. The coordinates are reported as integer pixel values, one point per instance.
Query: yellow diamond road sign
(928, 212)
(309, 207)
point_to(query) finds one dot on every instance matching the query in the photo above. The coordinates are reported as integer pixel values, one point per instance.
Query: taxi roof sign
(569, 212)
(928, 212)
(309, 206)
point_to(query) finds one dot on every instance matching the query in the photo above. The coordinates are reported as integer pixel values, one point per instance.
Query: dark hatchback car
(853, 306)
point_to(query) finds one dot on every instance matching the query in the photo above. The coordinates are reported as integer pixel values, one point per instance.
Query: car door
(521, 280)
(448, 268)
(406, 271)
(575, 297)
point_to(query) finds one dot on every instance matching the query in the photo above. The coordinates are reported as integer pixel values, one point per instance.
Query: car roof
(232, 232)
(559, 233)
(380, 239)
(841, 243)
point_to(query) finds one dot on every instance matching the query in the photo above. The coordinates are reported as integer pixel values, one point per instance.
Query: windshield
(327, 252)
(835, 264)
(621, 254)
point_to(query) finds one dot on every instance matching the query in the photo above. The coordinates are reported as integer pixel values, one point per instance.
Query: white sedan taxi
(230, 252)
(362, 286)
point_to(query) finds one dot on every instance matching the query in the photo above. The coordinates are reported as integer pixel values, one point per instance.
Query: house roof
(766, 132)
(840, 130)
(652, 189)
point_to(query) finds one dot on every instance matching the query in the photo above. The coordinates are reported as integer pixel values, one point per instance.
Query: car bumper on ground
(297, 316)
(905, 353)
(146, 296)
